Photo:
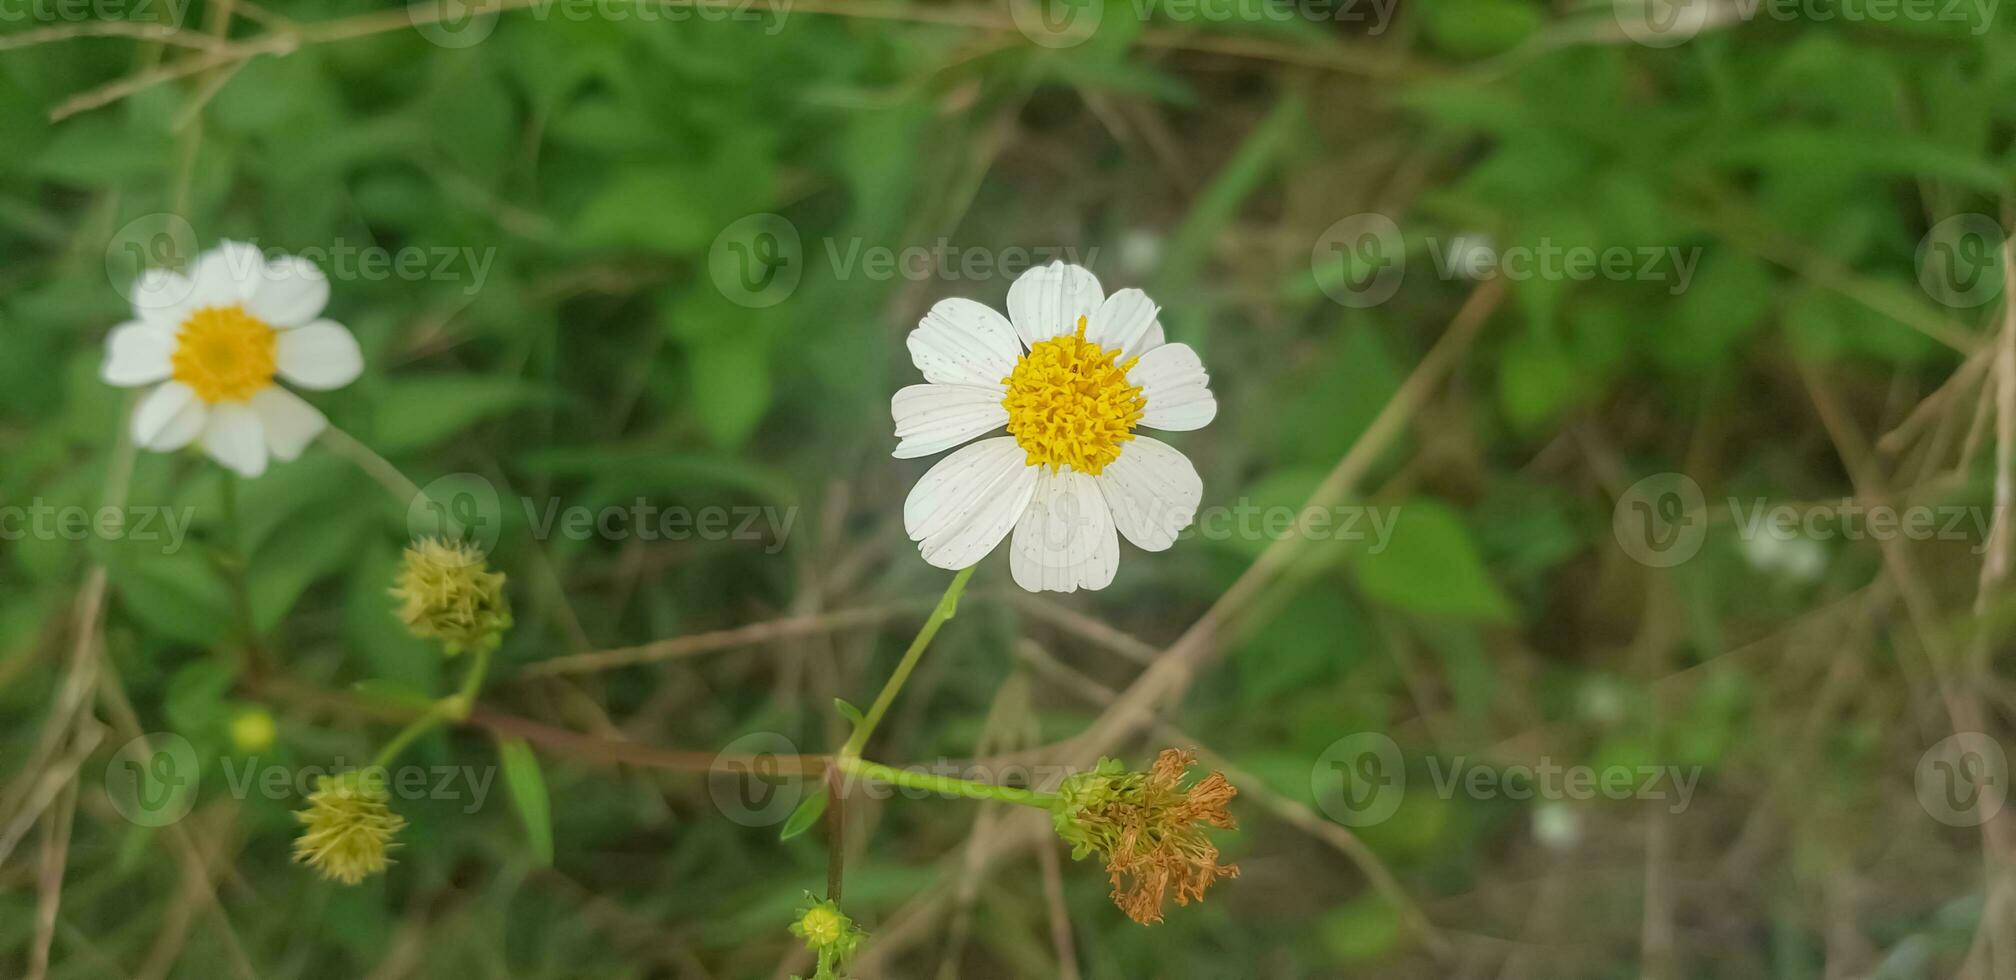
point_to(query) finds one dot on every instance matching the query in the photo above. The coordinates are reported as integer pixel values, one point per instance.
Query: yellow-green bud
(446, 592)
(348, 827)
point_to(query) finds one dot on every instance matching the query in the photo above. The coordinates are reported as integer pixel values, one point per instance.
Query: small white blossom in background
(1556, 826)
(1794, 558)
(212, 344)
(1140, 251)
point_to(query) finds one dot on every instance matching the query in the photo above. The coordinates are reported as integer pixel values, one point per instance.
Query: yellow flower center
(1069, 403)
(822, 925)
(224, 353)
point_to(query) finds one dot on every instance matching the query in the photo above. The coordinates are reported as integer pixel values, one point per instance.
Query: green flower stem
(232, 561)
(948, 606)
(427, 722)
(472, 683)
(455, 708)
(943, 785)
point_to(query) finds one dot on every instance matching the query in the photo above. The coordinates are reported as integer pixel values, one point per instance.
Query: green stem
(948, 606)
(455, 708)
(943, 785)
(232, 558)
(427, 722)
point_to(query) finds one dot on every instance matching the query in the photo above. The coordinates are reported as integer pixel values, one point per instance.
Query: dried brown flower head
(1149, 829)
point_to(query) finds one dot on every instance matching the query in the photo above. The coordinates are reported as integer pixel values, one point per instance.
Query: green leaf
(1480, 28)
(178, 595)
(651, 207)
(1724, 304)
(413, 413)
(1430, 566)
(390, 692)
(809, 810)
(731, 387)
(848, 711)
(528, 791)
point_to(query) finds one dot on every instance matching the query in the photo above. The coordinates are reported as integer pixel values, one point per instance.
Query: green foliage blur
(577, 190)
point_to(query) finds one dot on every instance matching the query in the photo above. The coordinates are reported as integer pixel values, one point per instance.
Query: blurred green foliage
(567, 179)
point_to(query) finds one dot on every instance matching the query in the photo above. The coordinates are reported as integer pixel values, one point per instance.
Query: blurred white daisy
(212, 343)
(1071, 373)
(1792, 557)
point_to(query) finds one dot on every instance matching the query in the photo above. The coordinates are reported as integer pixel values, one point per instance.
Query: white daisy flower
(211, 344)
(1071, 373)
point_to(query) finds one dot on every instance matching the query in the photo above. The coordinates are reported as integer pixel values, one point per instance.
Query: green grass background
(594, 162)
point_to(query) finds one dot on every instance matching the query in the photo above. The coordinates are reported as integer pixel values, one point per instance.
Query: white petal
(161, 297)
(961, 342)
(234, 437)
(289, 292)
(1065, 540)
(934, 418)
(1047, 302)
(1153, 492)
(967, 503)
(290, 424)
(169, 417)
(319, 356)
(137, 353)
(225, 275)
(1127, 321)
(1176, 388)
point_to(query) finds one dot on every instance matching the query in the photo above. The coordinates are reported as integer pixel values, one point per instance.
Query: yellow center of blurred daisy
(1069, 403)
(224, 353)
